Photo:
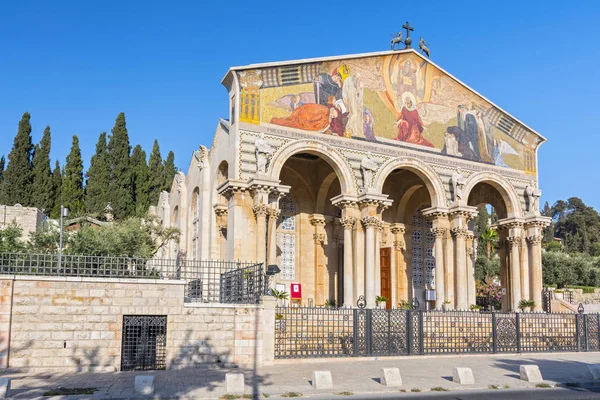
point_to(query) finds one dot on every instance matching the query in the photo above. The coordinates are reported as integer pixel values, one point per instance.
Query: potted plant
(380, 299)
(475, 307)
(330, 303)
(526, 305)
(446, 305)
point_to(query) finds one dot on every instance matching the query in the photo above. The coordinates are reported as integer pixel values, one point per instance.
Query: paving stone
(463, 376)
(144, 384)
(4, 387)
(322, 380)
(530, 373)
(390, 377)
(234, 382)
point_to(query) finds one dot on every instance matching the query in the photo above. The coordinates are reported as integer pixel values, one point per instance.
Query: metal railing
(206, 281)
(311, 332)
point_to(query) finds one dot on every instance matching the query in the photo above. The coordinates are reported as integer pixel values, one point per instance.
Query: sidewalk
(349, 376)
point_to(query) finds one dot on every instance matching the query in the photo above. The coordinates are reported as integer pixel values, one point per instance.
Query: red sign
(296, 290)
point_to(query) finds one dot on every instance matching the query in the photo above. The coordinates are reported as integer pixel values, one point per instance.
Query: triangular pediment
(395, 97)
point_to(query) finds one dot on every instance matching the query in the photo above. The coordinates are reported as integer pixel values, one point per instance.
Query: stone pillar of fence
(268, 326)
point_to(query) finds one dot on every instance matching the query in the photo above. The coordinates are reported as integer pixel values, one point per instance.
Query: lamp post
(64, 212)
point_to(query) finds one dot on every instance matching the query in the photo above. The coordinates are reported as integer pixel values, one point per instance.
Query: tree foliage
(576, 224)
(121, 182)
(97, 192)
(2, 166)
(10, 239)
(18, 175)
(562, 269)
(140, 180)
(169, 171)
(57, 178)
(72, 184)
(155, 174)
(42, 193)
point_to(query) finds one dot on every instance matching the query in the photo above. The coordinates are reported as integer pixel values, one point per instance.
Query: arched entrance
(308, 231)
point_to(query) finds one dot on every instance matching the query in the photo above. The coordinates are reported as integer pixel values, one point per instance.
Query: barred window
(287, 238)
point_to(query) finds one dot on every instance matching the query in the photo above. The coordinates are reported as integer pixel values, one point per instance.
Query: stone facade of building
(30, 219)
(360, 176)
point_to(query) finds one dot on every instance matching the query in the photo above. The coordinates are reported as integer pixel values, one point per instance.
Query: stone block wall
(30, 219)
(75, 324)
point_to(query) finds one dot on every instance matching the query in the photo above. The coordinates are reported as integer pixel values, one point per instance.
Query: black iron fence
(323, 332)
(488, 303)
(548, 294)
(206, 281)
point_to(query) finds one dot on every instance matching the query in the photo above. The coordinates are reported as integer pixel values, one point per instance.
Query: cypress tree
(97, 194)
(42, 195)
(155, 174)
(18, 174)
(72, 184)
(2, 162)
(140, 180)
(169, 171)
(121, 183)
(57, 178)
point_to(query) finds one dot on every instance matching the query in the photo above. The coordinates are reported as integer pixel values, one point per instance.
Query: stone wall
(29, 219)
(75, 324)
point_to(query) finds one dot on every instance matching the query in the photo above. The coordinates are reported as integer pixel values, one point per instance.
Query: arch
(510, 197)
(322, 150)
(419, 168)
(402, 204)
(322, 194)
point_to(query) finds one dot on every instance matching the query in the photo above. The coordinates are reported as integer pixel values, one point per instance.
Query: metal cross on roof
(408, 40)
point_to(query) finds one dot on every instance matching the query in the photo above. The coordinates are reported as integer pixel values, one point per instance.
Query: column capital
(374, 200)
(467, 212)
(537, 222)
(260, 210)
(220, 209)
(319, 238)
(433, 213)
(460, 232)
(232, 187)
(370, 222)
(399, 245)
(514, 240)
(345, 201)
(398, 228)
(317, 220)
(348, 222)
(273, 213)
(439, 233)
(537, 239)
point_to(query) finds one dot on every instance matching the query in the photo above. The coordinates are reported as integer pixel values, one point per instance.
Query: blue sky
(76, 65)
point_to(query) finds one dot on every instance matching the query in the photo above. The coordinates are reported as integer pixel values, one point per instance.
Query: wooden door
(386, 275)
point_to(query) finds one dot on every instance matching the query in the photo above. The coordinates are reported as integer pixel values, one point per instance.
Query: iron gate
(144, 342)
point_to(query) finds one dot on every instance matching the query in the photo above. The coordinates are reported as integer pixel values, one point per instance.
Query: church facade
(360, 176)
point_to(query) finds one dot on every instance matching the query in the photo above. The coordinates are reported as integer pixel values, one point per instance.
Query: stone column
(378, 230)
(515, 273)
(440, 295)
(319, 236)
(273, 217)
(348, 224)
(260, 211)
(471, 256)
(536, 271)
(399, 263)
(370, 223)
(524, 256)
(460, 236)
(460, 216)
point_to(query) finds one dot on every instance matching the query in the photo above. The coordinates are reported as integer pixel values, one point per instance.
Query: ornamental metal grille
(206, 281)
(144, 342)
(423, 259)
(311, 332)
